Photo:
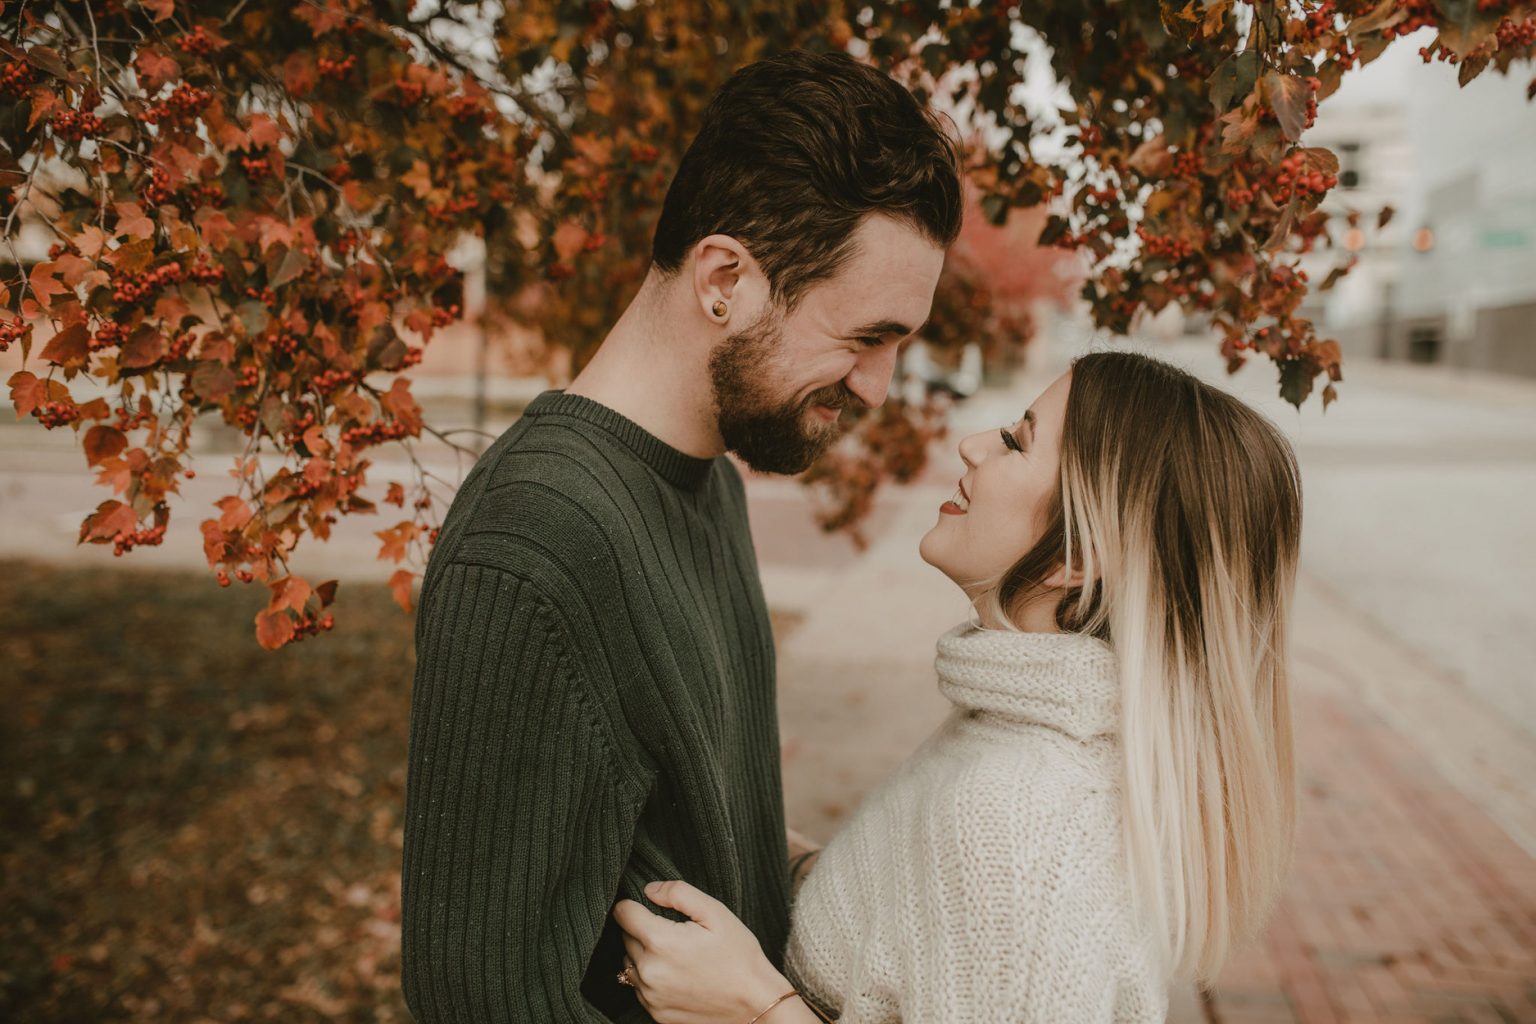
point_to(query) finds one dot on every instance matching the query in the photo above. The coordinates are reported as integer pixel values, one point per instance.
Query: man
(594, 703)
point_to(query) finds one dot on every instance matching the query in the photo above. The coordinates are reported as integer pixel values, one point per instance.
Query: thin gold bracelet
(776, 1002)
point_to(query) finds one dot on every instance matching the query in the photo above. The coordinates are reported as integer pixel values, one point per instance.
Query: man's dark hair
(794, 151)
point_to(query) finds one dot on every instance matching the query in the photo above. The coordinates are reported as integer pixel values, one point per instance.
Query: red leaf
(102, 442)
(111, 518)
(155, 67)
(400, 583)
(27, 391)
(399, 403)
(326, 592)
(273, 629)
(70, 347)
(144, 348)
(289, 592)
(1287, 95)
(211, 381)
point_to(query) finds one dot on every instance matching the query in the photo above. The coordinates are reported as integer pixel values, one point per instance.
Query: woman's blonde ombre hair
(1182, 506)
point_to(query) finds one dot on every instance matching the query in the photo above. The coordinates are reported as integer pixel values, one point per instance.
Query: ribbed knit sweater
(593, 709)
(983, 882)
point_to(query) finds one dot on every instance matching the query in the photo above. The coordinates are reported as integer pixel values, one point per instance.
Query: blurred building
(1452, 278)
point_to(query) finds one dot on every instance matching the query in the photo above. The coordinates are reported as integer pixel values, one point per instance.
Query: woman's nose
(973, 449)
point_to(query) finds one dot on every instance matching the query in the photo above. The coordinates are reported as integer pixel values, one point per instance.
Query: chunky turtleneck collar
(1067, 681)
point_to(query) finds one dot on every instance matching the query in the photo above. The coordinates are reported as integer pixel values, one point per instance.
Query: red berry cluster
(210, 192)
(327, 380)
(180, 346)
(256, 168)
(467, 109)
(376, 432)
(58, 249)
(1188, 165)
(1106, 196)
(432, 535)
(284, 341)
(336, 70)
(159, 189)
(136, 287)
(246, 417)
(447, 211)
(1239, 196)
(249, 376)
(11, 331)
(265, 296)
(56, 414)
(643, 153)
(203, 271)
(243, 575)
(127, 541)
(199, 42)
(108, 335)
(127, 421)
(1420, 14)
(411, 358)
(180, 108)
(1514, 36)
(1313, 85)
(409, 93)
(1292, 177)
(75, 125)
(308, 625)
(16, 78)
(1091, 138)
(1320, 22)
(1167, 246)
(444, 317)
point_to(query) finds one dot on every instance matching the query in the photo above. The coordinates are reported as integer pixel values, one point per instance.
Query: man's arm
(518, 821)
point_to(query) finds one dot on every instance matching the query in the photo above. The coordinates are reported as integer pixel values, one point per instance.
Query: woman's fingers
(637, 922)
(680, 896)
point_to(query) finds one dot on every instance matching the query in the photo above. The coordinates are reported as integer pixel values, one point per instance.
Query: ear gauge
(719, 308)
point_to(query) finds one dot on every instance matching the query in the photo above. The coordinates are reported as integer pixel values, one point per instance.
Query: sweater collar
(676, 467)
(1067, 681)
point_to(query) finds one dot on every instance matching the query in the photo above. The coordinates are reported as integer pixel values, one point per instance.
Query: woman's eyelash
(1009, 440)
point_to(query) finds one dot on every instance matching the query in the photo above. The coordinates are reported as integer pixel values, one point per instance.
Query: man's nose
(870, 378)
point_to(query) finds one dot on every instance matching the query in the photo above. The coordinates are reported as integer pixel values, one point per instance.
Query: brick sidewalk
(1407, 903)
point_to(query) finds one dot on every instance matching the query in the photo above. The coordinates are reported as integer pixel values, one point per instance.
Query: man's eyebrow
(880, 328)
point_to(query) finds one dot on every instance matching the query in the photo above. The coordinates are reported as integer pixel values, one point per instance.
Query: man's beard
(769, 434)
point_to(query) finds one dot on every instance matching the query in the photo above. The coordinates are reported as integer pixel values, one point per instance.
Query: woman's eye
(1009, 440)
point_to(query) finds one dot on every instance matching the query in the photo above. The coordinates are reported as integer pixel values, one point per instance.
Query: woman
(1109, 805)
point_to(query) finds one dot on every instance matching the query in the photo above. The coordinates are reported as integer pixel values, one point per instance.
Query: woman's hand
(707, 970)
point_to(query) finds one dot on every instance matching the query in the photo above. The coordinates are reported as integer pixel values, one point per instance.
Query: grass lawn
(194, 828)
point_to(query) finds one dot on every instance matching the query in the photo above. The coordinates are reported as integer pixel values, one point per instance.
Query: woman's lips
(949, 508)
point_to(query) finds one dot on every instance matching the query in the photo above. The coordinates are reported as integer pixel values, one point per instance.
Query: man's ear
(726, 278)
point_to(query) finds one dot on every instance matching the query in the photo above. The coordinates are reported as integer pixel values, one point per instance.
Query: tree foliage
(252, 201)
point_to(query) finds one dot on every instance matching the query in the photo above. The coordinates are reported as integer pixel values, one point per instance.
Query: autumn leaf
(91, 241)
(111, 518)
(212, 381)
(1287, 96)
(102, 442)
(288, 592)
(568, 239)
(396, 540)
(70, 347)
(145, 347)
(402, 406)
(43, 283)
(400, 584)
(155, 67)
(418, 178)
(274, 628)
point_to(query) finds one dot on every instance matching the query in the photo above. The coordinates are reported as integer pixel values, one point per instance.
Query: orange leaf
(236, 512)
(398, 401)
(44, 284)
(289, 592)
(132, 222)
(155, 67)
(70, 347)
(111, 518)
(569, 237)
(102, 442)
(400, 583)
(91, 240)
(27, 392)
(273, 628)
(145, 347)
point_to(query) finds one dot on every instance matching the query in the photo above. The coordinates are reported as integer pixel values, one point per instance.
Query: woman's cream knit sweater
(984, 880)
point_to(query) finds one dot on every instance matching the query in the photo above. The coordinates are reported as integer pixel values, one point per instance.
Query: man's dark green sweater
(593, 710)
